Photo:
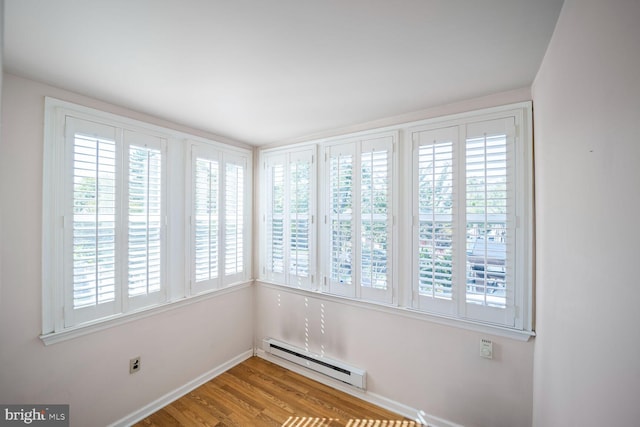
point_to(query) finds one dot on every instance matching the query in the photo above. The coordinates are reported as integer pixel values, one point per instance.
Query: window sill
(121, 319)
(485, 328)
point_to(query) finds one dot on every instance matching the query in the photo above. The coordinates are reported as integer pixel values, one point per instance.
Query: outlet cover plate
(134, 365)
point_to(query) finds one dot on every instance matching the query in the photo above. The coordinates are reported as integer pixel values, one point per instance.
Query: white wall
(91, 373)
(587, 127)
(430, 367)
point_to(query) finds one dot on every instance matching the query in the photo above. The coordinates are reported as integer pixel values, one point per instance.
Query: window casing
(114, 197)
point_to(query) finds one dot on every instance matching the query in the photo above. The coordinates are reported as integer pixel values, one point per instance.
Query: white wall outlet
(134, 365)
(486, 349)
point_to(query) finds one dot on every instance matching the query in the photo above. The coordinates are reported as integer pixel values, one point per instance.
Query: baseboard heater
(329, 367)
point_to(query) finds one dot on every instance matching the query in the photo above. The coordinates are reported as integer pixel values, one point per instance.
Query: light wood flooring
(260, 393)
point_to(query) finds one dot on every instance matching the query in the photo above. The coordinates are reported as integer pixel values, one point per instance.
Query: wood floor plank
(260, 393)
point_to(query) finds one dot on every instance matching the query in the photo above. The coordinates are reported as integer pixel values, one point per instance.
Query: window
(114, 194)
(468, 208)
(289, 232)
(358, 216)
(460, 247)
(218, 213)
(112, 200)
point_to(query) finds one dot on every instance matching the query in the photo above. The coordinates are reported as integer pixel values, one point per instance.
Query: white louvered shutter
(234, 219)
(289, 208)
(435, 218)
(359, 211)
(340, 213)
(275, 188)
(375, 219)
(464, 220)
(145, 224)
(490, 220)
(91, 272)
(300, 212)
(205, 220)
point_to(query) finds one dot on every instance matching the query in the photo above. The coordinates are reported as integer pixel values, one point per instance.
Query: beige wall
(587, 143)
(91, 372)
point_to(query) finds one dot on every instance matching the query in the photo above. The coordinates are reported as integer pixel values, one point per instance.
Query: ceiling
(261, 71)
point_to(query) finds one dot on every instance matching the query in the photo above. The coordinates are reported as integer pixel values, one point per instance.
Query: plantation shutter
(275, 189)
(91, 272)
(490, 220)
(340, 213)
(145, 219)
(234, 216)
(434, 228)
(205, 229)
(375, 219)
(359, 217)
(289, 208)
(300, 217)
(464, 220)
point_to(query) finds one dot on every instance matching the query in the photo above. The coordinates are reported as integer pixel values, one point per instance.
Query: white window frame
(175, 239)
(286, 158)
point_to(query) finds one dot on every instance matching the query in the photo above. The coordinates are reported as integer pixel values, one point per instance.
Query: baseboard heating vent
(329, 367)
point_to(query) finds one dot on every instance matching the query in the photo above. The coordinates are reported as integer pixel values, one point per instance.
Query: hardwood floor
(260, 393)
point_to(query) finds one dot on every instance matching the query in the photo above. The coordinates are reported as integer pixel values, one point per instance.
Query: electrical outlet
(486, 349)
(134, 365)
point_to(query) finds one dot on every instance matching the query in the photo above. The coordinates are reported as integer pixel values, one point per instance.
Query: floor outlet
(134, 365)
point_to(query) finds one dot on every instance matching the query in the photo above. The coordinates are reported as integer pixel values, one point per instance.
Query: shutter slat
(374, 205)
(205, 235)
(234, 219)
(144, 221)
(341, 188)
(487, 204)
(300, 217)
(435, 228)
(93, 227)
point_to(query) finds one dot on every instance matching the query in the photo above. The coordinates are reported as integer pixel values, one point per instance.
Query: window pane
(145, 220)
(435, 210)
(374, 216)
(234, 220)
(206, 219)
(94, 220)
(486, 221)
(341, 187)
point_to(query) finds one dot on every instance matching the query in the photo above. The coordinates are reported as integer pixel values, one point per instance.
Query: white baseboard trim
(163, 401)
(374, 398)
